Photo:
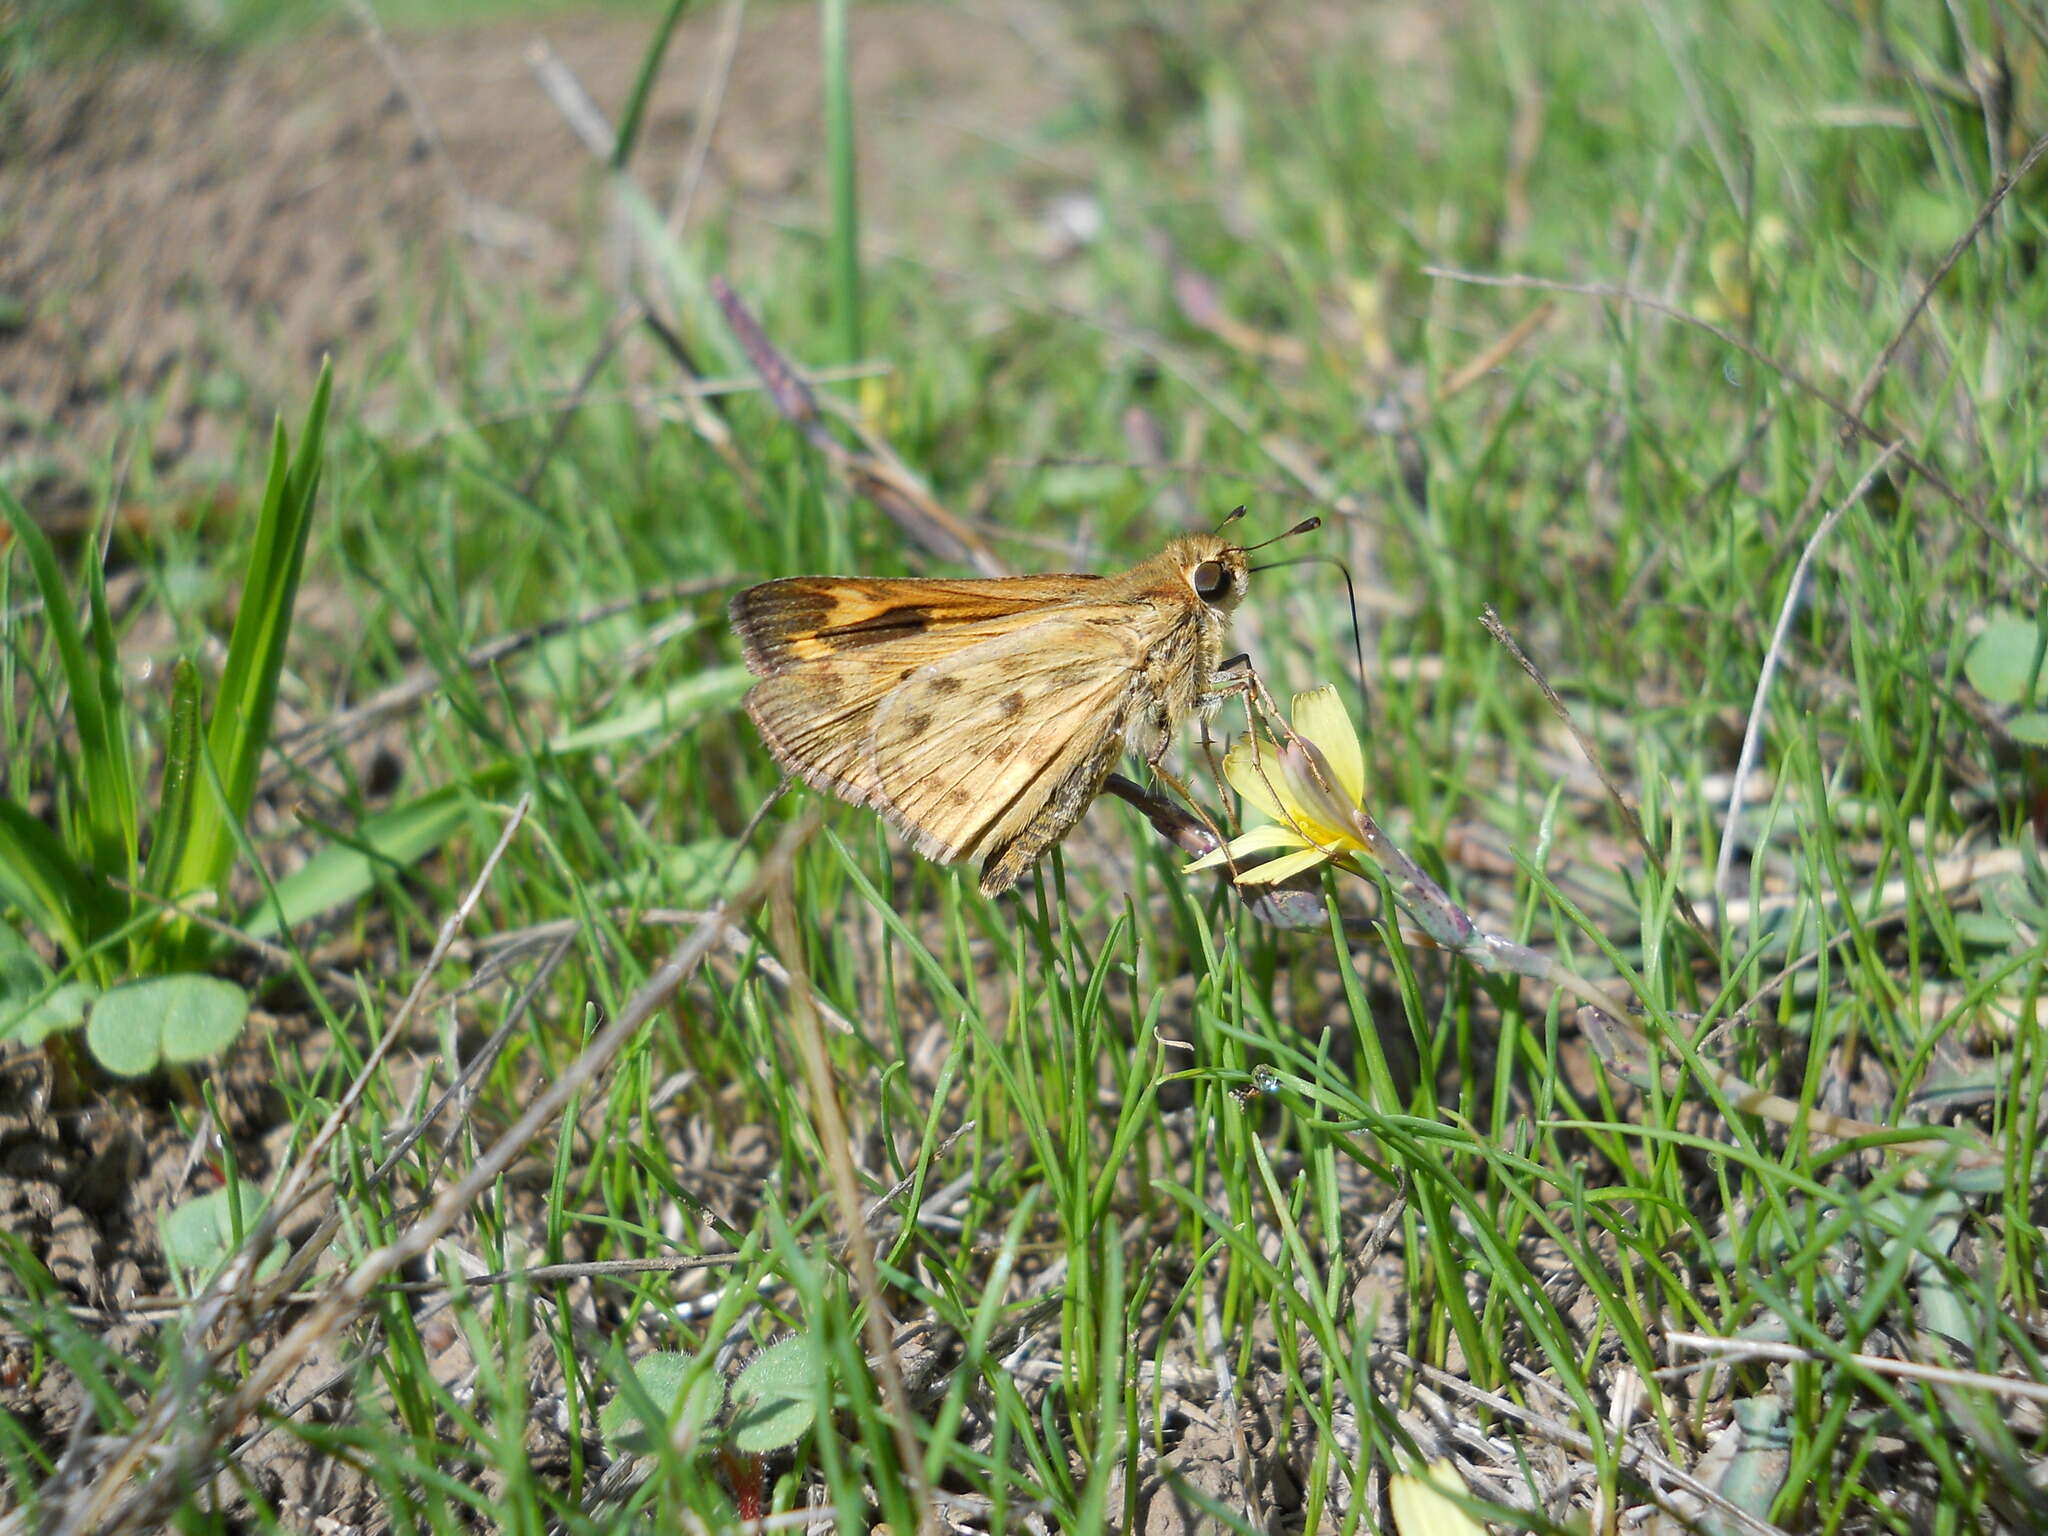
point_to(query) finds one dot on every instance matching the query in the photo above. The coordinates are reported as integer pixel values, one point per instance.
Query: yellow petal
(1280, 868)
(1257, 840)
(1308, 790)
(1421, 1509)
(1254, 772)
(1319, 715)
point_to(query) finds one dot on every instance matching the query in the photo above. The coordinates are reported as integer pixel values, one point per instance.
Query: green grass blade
(393, 839)
(172, 830)
(240, 728)
(643, 85)
(111, 784)
(845, 266)
(40, 877)
(108, 816)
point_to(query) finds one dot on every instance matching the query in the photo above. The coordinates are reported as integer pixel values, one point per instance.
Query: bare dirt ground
(183, 236)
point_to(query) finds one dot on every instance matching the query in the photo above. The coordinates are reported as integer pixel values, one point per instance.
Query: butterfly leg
(1154, 760)
(1232, 679)
(1236, 677)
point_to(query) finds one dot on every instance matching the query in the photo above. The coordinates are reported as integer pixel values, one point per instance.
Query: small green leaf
(2032, 728)
(32, 1006)
(661, 1376)
(1985, 928)
(693, 874)
(198, 1236)
(64, 1008)
(2002, 658)
(169, 1019)
(776, 1395)
(1082, 485)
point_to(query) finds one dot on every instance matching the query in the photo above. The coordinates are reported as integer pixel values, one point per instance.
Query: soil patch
(183, 236)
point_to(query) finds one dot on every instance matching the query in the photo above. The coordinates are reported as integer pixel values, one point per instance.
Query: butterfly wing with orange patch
(809, 618)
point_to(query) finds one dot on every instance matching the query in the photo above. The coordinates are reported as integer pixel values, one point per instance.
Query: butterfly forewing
(808, 618)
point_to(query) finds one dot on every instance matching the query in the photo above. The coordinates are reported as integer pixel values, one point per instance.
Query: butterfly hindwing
(970, 750)
(816, 715)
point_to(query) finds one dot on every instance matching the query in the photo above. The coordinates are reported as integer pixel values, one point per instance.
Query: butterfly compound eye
(1209, 580)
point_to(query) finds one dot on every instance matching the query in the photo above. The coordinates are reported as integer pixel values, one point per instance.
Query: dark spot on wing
(943, 685)
(1000, 752)
(886, 625)
(1013, 704)
(916, 725)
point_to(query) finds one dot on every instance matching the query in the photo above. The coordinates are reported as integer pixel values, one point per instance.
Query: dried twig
(1587, 749)
(699, 154)
(1868, 388)
(585, 118)
(629, 315)
(1738, 1351)
(1752, 733)
(872, 471)
(1492, 355)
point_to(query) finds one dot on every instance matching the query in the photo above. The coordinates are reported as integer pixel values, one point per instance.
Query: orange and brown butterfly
(981, 717)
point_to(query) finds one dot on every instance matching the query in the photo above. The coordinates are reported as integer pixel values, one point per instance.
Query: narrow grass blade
(38, 875)
(643, 85)
(716, 689)
(840, 169)
(108, 815)
(172, 829)
(394, 839)
(240, 727)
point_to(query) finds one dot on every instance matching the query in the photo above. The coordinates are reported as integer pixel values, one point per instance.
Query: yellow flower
(1311, 787)
(1422, 1508)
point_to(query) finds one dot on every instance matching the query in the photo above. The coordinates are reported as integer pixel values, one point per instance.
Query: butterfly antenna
(1234, 514)
(1350, 597)
(1306, 525)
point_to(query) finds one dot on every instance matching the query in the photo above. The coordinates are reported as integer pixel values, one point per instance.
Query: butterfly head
(1214, 569)
(1218, 571)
